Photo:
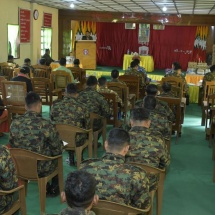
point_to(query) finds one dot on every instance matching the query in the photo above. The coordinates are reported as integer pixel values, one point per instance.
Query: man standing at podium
(87, 36)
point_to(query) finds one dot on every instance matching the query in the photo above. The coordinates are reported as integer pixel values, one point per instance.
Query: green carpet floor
(188, 186)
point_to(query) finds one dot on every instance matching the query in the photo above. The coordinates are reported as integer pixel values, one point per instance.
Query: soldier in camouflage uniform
(79, 194)
(32, 132)
(8, 178)
(70, 111)
(161, 106)
(94, 101)
(159, 122)
(115, 77)
(209, 76)
(117, 181)
(133, 71)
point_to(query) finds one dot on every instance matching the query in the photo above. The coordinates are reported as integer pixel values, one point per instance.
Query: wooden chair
(26, 165)
(122, 91)
(175, 105)
(68, 134)
(209, 88)
(94, 116)
(111, 99)
(8, 71)
(16, 71)
(161, 176)
(60, 79)
(41, 71)
(14, 93)
(132, 83)
(43, 87)
(2, 78)
(20, 203)
(111, 208)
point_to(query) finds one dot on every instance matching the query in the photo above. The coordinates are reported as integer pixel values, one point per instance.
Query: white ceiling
(140, 6)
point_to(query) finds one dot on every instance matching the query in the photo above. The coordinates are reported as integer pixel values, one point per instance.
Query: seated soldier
(32, 132)
(94, 101)
(134, 71)
(104, 89)
(159, 122)
(27, 63)
(166, 90)
(117, 181)
(209, 76)
(8, 178)
(43, 61)
(79, 194)
(70, 111)
(24, 76)
(146, 145)
(115, 76)
(11, 62)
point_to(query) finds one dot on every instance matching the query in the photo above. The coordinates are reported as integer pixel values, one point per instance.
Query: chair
(41, 71)
(13, 93)
(2, 78)
(16, 71)
(132, 83)
(26, 166)
(159, 191)
(20, 203)
(8, 71)
(60, 79)
(175, 105)
(143, 50)
(111, 99)
(112, 208)
(209, 88)
(94, 116)
(122, 91)
(68, 134)
(43, 87)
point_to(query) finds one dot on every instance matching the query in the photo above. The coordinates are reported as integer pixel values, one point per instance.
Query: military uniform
(32, 132)
(95, 103)
(76, 211)
(8, 178)
(208, 77)
(117, 81)
(136, 73)
(70, 111)
(168, 94)
(119, 182)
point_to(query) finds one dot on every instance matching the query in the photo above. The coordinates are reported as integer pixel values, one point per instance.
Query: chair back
(107, 207)
(132, 83)
(60, 79)
(209, 88)
(2, 78)
(42, 71)
(7, 71)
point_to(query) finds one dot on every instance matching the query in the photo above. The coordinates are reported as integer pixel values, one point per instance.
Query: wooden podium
(86, 53)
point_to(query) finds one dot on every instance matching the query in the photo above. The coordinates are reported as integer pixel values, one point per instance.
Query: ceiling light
(72, 5)
(164, 8)
(123, 16)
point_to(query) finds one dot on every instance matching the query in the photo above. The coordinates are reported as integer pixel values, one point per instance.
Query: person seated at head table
(170, 71)
(63, 68)
(10, 61)
(115, 179)
(47, 57)
(79, 194)
(87, 36)
(8, 180)
(24, 76)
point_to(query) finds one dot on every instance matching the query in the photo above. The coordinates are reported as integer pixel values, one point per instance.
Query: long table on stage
(145, 61)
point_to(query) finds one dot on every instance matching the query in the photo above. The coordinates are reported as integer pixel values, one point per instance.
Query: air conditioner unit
(130, 26)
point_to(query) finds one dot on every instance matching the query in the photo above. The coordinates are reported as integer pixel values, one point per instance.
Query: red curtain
(175, 43)
(113, 41)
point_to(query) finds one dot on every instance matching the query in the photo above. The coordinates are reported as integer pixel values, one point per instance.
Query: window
(46, 40)
(13, 40)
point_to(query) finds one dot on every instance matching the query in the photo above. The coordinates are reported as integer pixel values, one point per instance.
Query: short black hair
(114, 73)
(151, 89)
(117, 139)
(139, 114)
(212, 68)
(71, 88)
(10, 57)
(177, 67)
(80, 189)
(175, 64)
(27, 60)
(102, 81)
(137, 61)
(166, 87)
(25, 70)
(92, 81)
(76, 61)
(31, 99)
(149, 102)
(63, 61)
(133, 64)
(42, 61)
(47, 50)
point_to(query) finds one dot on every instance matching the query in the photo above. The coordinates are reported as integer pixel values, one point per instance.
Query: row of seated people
(24, 132)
